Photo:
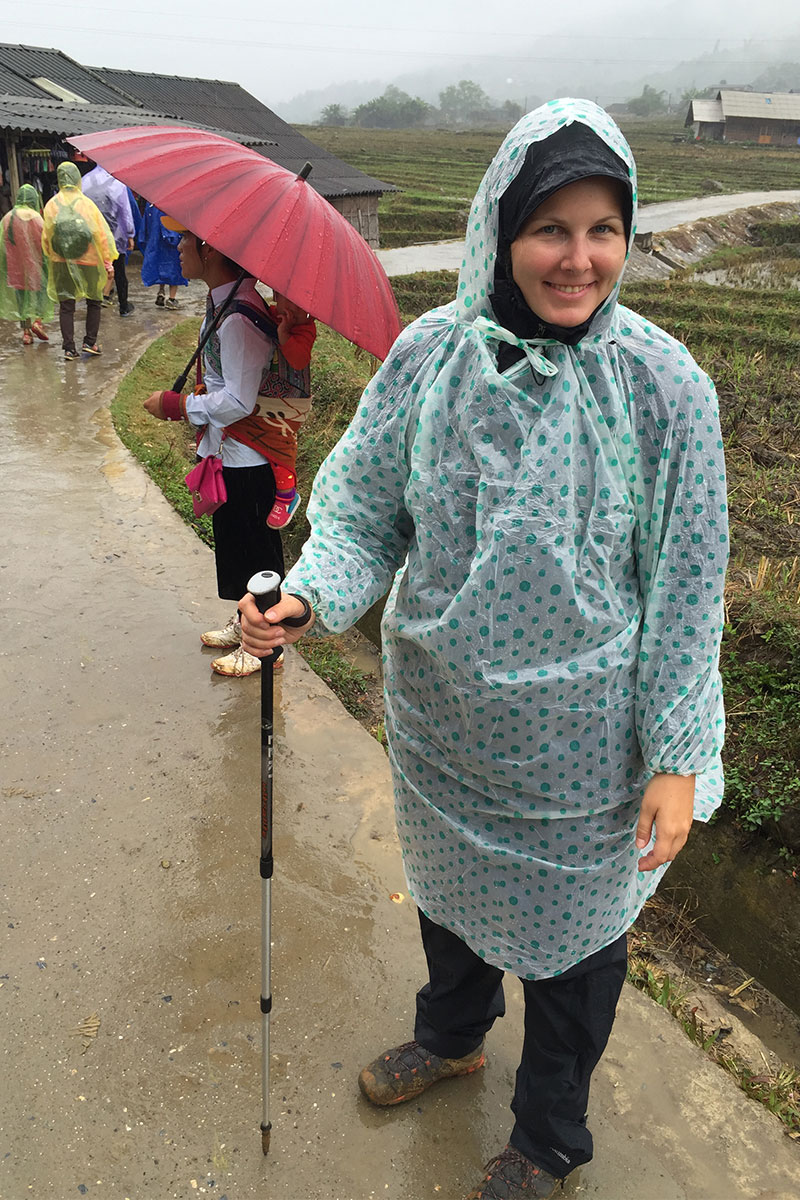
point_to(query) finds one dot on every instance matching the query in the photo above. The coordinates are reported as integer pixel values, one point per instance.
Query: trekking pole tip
(266, 1130)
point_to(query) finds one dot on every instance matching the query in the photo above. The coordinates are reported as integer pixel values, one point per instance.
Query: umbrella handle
(180, 382)
(265, 588)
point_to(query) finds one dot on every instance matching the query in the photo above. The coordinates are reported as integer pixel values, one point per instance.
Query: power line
(361, 28)
(394, 52)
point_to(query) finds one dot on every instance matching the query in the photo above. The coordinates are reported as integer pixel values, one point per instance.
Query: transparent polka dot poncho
(555, 539)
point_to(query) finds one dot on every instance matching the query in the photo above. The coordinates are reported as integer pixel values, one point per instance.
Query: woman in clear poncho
(81, 249)
(538, 473)
(23, 267)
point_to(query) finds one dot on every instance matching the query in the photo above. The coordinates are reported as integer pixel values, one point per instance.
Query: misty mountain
(611, 70)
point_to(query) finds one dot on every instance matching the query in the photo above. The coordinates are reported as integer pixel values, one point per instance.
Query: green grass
(165, 449)
(439, 171)
(331, 664)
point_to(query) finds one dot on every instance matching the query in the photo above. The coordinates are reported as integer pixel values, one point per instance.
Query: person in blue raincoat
(538, 474)
(161, 261)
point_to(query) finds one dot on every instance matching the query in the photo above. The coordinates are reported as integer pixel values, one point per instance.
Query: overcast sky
(314, 43)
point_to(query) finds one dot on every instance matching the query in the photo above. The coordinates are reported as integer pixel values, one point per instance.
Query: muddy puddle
(755, 275)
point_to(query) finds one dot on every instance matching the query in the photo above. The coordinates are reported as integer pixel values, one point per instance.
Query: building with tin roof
(46, 96)
(768, 118)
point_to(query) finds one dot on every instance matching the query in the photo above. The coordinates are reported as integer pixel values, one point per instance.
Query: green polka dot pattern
(555, 539)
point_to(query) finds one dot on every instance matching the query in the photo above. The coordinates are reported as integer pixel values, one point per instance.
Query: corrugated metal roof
(704, 110)
(12, 84)
(30, 62)
(209, 100)
(768, 106)
(22, 114)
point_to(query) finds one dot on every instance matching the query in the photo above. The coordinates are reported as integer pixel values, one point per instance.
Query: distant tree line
(463, 105)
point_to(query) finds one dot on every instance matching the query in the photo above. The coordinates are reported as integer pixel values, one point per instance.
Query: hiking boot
(230, 635)
(92, 348)
(408, 1070)
(71, 355)
(239, 663)
(160, 300)
(126, 312)
(37, 329)
(512, 1176)
(171, 302)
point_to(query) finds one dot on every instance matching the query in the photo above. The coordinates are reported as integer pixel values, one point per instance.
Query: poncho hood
(68, 176)
(484, 245)
(28, 197)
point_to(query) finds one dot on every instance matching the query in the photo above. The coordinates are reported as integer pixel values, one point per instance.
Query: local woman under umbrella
(538, 473)
(23, 267)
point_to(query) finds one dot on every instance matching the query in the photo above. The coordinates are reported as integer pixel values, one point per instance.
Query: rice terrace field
(440, 170)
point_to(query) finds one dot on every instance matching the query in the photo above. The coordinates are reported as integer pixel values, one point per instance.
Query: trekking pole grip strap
(303, 619)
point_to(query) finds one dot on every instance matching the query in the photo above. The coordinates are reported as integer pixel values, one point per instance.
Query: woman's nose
(576, 255)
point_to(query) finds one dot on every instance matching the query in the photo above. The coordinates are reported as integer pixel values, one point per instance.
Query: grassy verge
(165, 450)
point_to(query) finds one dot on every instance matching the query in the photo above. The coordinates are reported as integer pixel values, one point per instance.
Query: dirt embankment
(657, 255)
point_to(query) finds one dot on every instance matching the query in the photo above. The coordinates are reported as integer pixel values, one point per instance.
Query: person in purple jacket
(111, 197)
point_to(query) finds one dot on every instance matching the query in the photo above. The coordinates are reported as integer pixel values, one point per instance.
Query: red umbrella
(264, 217)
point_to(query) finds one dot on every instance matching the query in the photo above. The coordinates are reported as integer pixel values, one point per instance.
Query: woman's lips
(568, 289)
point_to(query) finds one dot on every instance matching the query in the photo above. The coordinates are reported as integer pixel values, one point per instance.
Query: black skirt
(243, 542)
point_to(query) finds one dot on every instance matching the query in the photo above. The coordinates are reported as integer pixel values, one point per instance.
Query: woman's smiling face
(570, 252)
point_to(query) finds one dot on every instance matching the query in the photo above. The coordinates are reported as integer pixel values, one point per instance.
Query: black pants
(243, 542)
(66, 318)
(121, 281)
(568, 1021)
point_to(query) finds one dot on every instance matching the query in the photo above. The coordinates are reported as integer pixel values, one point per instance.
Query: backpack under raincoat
(77, 241)
(23, 266)
(556, 542)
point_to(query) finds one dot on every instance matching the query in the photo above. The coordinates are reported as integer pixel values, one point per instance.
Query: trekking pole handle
(265, 587)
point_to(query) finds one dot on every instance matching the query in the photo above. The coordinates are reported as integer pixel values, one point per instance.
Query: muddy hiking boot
(408, 1070)
(512, 1176)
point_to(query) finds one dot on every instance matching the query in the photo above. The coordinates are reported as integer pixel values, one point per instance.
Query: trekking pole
(265, 588)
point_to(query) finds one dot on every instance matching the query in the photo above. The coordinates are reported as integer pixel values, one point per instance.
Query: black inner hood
(572, 153)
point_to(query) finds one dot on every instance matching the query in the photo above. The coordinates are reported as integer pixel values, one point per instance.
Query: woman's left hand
(154, 405)
(669, 802)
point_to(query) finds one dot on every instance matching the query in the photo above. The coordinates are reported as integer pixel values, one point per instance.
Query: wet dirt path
(130, 888)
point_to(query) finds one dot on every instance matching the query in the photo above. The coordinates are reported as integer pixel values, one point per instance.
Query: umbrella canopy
(265, 218)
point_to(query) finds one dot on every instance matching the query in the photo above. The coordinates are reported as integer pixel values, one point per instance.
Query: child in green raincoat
(81, 248)
(23, 267)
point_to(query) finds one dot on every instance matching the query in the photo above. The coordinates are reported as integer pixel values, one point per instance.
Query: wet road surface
(130, 888)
